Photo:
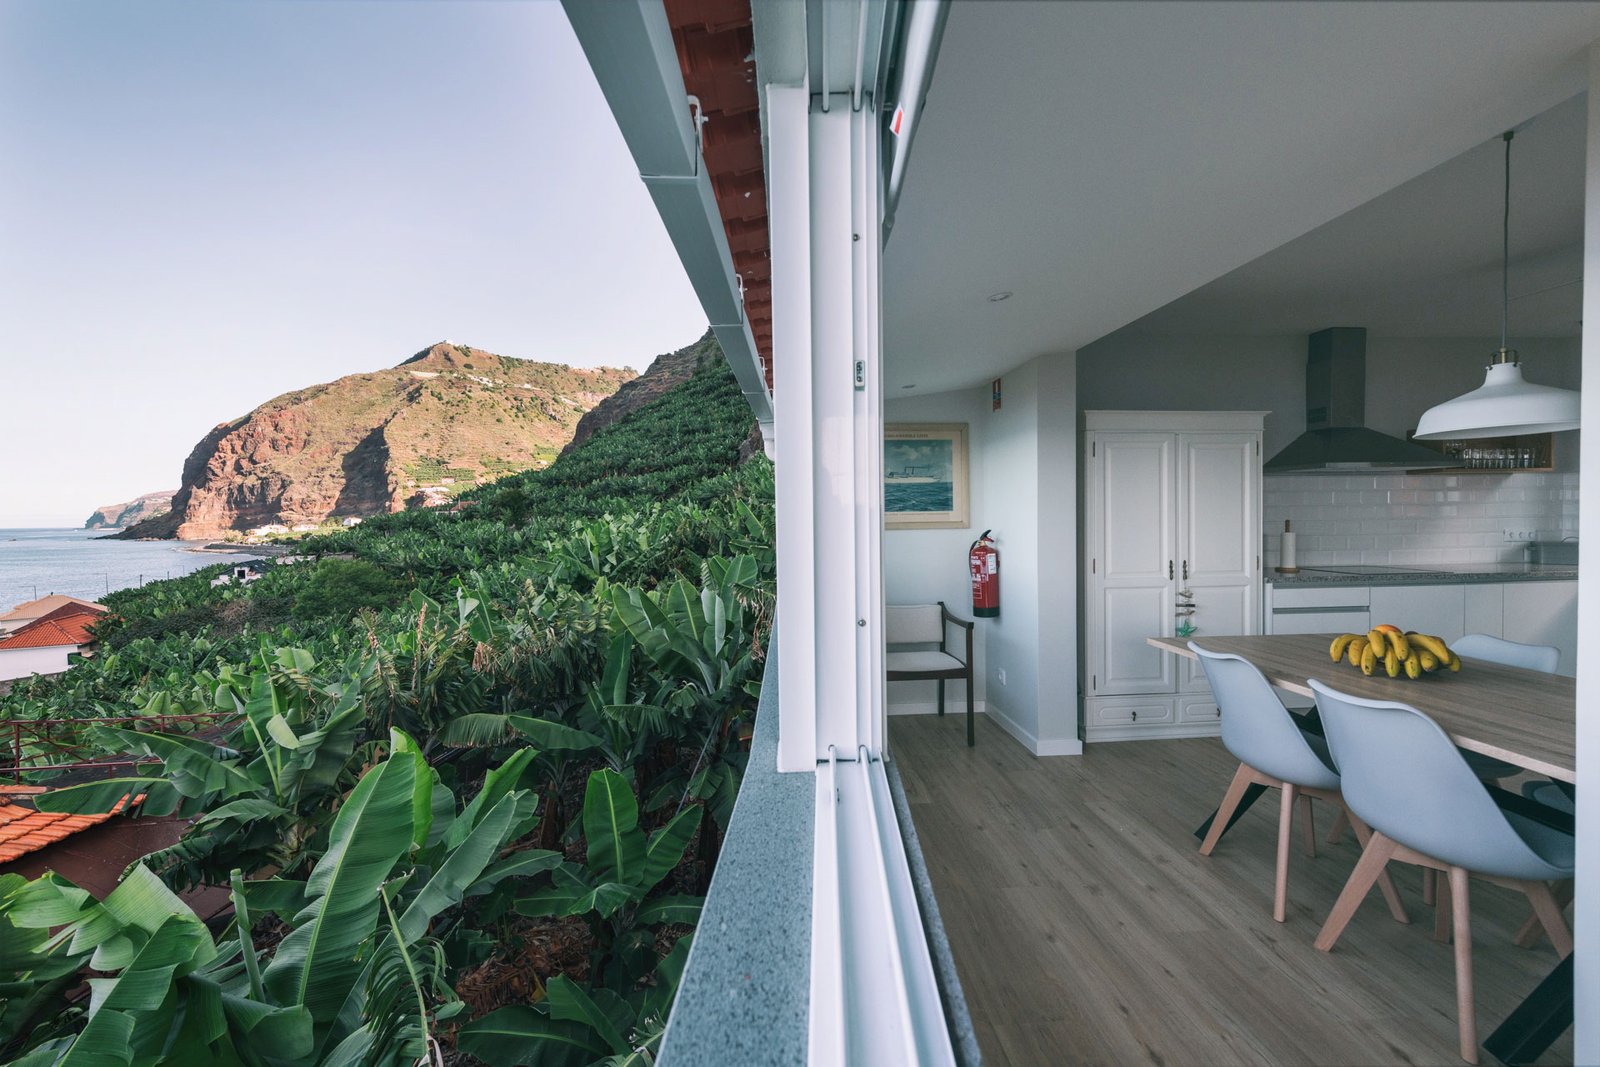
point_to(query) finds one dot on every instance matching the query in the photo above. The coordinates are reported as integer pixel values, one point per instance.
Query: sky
(203, 205)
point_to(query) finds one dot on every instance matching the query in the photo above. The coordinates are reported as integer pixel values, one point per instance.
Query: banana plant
(347, 985)
(610, 889)
(266, 802)
(574, 1027)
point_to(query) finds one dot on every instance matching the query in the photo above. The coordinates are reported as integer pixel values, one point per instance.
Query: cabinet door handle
(1169, 569)
(1186, 570)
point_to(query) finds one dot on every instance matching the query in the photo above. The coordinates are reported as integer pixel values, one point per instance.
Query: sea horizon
(36, 561)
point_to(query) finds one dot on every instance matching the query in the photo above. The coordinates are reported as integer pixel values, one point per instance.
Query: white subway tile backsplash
(1416, 518)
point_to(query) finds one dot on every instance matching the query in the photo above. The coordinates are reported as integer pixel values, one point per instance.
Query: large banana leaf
(611, 825)
(571, 894)
(680, 908)
(666, 846)
(521, 1036)
(497, 784)
(97, 798)
(605, 1014)
(318, 963)
(553, 736)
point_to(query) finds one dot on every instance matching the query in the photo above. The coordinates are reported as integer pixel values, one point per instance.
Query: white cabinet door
(1485, 609)
(1544, 613)
(1132, 566)
(1439, 610)
(1219, 537)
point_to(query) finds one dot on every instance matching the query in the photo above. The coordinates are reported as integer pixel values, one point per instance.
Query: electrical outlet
(1521, 535)
(1000, 672)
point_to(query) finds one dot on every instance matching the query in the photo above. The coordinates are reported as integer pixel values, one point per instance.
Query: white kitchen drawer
(1198, 709)
(1352, 620)
(1130, 710)
(1332, 596)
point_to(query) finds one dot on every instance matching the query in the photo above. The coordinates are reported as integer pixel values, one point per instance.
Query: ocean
(918, 496)
(35, 563)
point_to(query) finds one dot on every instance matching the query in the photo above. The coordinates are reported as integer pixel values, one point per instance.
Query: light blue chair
(1402, 775)
(1274, 752)
(1543, 658)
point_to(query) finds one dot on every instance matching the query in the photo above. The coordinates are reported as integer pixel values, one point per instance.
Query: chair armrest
(949, 616)
(966, 624)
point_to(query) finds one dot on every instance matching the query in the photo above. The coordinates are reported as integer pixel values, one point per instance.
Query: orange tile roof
(23, 830)
(34, 609)
(66, 625)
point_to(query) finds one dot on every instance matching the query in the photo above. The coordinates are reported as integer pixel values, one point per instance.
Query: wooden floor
(1087, 929)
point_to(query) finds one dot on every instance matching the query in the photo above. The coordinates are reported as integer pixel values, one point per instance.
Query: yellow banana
(1414, 667)
(1375, 639)
(1440, 650)
(1391, 664)
(1369, 659)
(1430, 662)
(1357, 646)
(1336, 650)
(1455, 662)
(1398, 642)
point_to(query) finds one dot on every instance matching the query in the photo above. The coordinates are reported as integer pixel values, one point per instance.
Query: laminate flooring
(1088, 929)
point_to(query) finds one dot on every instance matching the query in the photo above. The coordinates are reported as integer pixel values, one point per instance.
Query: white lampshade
(1503, 406)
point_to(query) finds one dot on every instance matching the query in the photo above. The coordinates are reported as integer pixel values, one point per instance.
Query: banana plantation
(465, 808)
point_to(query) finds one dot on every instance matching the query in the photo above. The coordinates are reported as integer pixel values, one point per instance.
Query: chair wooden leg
(1465, 1009)
(1549, 915)
(1336, 831)
(1230, 800)
(1429, 897)
(1308, 828)
(1373, 859)
(971, 711)
(1391, 895)
(941, 697)
(1280, 888)
(1532, 929)
(1442, 908)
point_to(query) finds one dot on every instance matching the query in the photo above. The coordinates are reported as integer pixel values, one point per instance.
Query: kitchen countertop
(1443, 574)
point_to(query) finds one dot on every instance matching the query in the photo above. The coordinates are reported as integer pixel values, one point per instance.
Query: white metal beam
(629, 46)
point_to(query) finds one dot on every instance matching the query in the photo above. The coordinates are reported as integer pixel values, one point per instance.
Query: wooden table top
(1523, 717)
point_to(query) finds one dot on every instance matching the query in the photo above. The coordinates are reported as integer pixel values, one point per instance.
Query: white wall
(924, 566)
(1058, 557)
(23, 662)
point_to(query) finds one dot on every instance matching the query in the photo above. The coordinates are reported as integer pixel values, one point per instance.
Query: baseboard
(931, 707)
(1166, 731)
(1025, 737)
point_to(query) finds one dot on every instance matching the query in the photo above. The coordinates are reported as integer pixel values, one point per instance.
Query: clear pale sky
(203, 205)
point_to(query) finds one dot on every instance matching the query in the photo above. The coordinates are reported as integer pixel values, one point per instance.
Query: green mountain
(445, 420)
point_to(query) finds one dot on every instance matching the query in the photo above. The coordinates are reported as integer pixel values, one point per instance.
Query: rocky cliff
(109, 516)
(665, 373)
(446, 419)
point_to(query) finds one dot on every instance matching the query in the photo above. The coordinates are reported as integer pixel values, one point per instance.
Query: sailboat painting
(925, 475)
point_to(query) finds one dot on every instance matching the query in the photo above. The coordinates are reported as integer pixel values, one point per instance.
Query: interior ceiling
(1423, 260)
(1100, 160)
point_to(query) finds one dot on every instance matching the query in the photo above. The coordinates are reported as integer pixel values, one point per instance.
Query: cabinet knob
(1135, 715)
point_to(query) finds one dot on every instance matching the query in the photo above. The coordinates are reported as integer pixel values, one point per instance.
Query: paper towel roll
(1286, 563)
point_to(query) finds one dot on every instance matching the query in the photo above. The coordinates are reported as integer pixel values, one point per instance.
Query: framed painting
(925, 476)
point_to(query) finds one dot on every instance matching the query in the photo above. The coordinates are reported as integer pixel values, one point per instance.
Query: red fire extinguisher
(983, 563)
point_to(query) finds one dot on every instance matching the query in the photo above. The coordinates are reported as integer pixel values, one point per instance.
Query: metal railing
(37, 746)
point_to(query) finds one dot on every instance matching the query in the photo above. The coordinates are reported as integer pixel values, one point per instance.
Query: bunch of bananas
(1408, 652)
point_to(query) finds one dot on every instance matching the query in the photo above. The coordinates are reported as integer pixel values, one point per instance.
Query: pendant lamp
(1505, 404)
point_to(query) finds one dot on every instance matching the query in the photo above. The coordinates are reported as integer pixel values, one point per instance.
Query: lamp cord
(1505, 252)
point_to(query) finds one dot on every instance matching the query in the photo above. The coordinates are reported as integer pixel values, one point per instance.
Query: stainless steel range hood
(1337, 440)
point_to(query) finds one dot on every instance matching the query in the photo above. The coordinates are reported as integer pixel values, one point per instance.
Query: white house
(45, 645)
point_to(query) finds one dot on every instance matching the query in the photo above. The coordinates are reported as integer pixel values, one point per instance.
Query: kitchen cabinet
(1431, 609)
(1533, 612)
(1173, 524)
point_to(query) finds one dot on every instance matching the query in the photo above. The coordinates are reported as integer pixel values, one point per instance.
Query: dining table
(1525, 718)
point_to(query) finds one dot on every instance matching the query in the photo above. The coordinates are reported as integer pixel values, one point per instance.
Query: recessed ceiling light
(995, 298)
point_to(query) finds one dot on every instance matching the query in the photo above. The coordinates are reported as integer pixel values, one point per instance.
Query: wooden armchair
(926, 624)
